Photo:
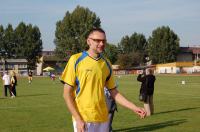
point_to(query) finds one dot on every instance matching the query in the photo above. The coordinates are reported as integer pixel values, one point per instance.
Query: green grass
(40, 107)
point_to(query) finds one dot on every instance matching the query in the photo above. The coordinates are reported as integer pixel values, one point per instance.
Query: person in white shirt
(6, 83)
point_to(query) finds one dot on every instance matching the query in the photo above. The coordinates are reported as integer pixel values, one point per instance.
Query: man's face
(147, 72)
(96, 42)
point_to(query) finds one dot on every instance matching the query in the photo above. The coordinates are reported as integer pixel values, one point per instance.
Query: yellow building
(178, 67)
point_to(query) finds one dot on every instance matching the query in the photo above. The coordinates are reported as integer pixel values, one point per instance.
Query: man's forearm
(126, 103)
(122, 100)
(67, 94)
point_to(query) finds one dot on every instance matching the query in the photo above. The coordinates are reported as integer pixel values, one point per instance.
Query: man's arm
(119, 98)
(141, 78)
(3, 82)
(69, 100)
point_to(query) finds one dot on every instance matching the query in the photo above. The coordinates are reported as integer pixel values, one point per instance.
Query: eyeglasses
(99, 40)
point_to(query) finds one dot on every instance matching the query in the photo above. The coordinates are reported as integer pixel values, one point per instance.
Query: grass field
(39, 107)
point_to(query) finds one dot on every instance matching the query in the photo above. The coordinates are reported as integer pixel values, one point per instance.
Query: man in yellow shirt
(85, 76)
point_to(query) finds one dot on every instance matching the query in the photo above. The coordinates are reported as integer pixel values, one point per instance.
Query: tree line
(70, 37)
(134, 50)
(23, 42)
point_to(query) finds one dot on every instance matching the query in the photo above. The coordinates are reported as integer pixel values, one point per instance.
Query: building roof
(194, 50)
(52, 58)
(16, 60)
(178, 64)
(48, 53)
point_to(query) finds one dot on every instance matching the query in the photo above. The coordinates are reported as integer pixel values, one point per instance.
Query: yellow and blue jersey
(88, 77)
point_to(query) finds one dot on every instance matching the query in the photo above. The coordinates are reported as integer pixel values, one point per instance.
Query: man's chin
(100, 51)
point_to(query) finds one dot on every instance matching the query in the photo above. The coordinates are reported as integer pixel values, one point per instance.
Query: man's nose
(102, 43)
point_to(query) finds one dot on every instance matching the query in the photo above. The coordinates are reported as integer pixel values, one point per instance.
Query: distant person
(6, 83)
(30, 77)
(13, 84)
(52, 76)
(85, 76)
(112, 107)
(147, 89)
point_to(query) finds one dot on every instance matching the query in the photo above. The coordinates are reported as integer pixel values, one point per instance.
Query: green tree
(23, 42)
(124, 60)
(111, 51)
(1, 41)
(34, 46)
(9, 42)
(21, 38)
(163, 45)
(138, 42)
(2, 48)
(124, 45)
(129, 60)
(132, 48)
(72, 30)
(29, 43)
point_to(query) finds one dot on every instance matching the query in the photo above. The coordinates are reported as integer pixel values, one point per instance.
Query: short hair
(94, 29)
(150, 70)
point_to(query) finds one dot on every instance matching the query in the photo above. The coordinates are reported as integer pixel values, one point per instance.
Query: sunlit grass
(39, 107)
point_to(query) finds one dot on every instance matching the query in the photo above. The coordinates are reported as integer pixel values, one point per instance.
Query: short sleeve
(68, 75)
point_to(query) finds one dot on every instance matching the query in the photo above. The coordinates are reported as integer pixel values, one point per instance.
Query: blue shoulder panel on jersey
(84, 54)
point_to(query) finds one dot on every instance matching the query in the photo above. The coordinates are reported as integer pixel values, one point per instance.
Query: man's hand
(81, 126)
(140, 71)
(141, 112)
(69, 99)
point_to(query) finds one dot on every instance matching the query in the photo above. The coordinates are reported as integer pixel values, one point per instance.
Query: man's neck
(93, 54)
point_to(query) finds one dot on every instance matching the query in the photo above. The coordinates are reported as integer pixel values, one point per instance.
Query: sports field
(40, 107)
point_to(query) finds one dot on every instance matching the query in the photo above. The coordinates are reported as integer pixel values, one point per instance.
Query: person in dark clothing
(30, 77)
(147, 89)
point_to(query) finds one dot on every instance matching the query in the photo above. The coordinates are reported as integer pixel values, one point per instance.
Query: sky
(118, 17)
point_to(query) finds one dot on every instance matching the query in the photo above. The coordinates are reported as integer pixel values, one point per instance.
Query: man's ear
(88, 42)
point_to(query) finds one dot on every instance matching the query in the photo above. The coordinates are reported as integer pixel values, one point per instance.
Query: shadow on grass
(152, 127)
(29, 95)
(176, 110)
(32, 95)
(3, 97)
